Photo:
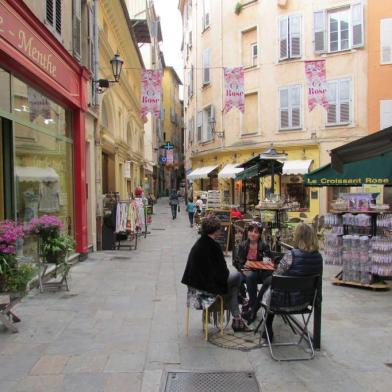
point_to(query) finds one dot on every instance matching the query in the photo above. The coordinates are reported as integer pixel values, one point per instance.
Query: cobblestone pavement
(122, 323)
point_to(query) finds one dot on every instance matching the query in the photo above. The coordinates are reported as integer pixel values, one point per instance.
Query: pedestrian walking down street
(173, 202)
(191, 209)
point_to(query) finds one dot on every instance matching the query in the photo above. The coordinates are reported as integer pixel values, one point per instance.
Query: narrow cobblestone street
(122, 323)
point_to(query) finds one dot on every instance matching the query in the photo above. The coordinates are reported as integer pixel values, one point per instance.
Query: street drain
(157, 228)
(120, 258)
(67, 296)
(211, 382)
(388, 364)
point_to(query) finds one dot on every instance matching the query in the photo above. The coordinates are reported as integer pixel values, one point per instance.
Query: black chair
(291, 295)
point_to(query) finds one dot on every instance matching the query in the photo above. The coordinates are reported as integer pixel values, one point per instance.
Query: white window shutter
(206, 66)
(210, 118)
(76, 36)
(357, 33)
(385, 113)
(295, 106)
(332, 99)
(319, 31)
(199, 125)
(284, 108)
(283, 38)
(344, 101)
(295, 30)
(386, 41)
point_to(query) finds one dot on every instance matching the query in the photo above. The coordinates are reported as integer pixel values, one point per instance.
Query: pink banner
(169, 157)
(234, 89)
(316, 84)
(151, 85)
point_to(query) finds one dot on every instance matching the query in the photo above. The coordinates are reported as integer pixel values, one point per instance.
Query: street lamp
(272, 155)
(212, 124)
(116, 62)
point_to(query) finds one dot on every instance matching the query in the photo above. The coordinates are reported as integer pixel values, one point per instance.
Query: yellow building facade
(171, 125)
(272, 40)
(120, 140)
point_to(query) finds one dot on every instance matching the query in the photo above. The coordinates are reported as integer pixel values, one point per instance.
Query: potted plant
(238, 8)
(55, 249)
(14, 277)
(44, 227)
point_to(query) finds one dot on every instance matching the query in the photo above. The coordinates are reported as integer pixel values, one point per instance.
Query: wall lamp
(116, 62)
(212, 123)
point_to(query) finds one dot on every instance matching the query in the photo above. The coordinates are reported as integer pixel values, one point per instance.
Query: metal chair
(206, 317)
(291, 295)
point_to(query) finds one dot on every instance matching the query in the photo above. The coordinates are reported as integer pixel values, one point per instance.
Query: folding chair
(291, 295)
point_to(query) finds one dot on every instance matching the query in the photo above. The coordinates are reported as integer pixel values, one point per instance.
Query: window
(206, 66)
(339, 97)
(199, 126)
(190, 39)
(339, 29)
(190, 82)
(53, 15)
(290, 107)
(190, 130)
(206, 14)
(290, 37)
(386, 41)
(208, 116)
(76, 24)
(248, 42)
(385, 113)
(250, 118)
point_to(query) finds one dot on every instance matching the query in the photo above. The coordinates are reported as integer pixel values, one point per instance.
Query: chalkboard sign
(223, 238)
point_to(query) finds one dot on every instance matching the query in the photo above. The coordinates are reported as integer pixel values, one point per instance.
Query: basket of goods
(379, 207)
(339, 205)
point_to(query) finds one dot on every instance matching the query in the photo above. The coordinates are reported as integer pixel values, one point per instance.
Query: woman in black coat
(173, 202)
(206, 270)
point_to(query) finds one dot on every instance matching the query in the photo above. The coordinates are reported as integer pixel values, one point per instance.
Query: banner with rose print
(316, 84)
(151, 91)
(234, 89)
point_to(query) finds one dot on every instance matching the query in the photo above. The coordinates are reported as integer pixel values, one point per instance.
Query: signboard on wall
(127, 169)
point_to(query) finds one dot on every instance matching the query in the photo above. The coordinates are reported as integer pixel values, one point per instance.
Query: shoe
(238, 325)
(270, 333)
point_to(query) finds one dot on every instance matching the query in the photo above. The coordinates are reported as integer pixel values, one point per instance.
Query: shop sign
(15, 31)
(169, 157)
(347, 181)
(151, 91)
(127, 169)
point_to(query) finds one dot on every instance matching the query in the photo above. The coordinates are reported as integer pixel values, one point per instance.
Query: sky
(172, 33)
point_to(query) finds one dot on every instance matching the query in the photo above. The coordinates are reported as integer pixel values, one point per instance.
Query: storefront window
(294, 190)
(5, 95)
(31, 106)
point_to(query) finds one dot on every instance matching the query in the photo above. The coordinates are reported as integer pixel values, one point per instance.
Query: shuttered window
(339, 29)
(206, 66)
(54, 15)
(290, 37)
(199, 126)
(206, 14)
(385, 113)
(290, 107)
(340, 102)
(386, 41)
(190, 82)
(76, 31)
(208, 116)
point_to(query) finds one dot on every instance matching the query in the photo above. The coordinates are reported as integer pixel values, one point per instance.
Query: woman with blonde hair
(303, 260)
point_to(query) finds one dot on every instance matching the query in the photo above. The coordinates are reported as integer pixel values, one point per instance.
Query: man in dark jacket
(173, 202)
(206, 270)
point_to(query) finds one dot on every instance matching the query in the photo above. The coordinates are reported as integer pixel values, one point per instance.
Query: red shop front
(42, 124)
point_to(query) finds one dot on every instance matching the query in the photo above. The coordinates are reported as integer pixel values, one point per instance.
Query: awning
(377, 170)
(36, 174)
(201, 172)
(248, 173)
(230, 171)
(296, 167)
(366, 147)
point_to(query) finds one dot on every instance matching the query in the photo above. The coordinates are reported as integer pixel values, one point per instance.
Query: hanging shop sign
(151, 91)
(169, 157)
(162, 160)
(316, 84)
(234, 89)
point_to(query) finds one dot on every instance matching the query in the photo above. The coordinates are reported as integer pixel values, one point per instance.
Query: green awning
(376, 170)
(250, 172)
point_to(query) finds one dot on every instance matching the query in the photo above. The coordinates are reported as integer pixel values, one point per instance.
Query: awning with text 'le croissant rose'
(376, 170)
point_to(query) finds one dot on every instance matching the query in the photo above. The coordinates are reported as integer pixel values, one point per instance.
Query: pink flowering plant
(46, 226)
(13, 277)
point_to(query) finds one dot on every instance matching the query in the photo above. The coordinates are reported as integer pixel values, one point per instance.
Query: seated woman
(303, 260)
(253, 250)
(206, 272)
